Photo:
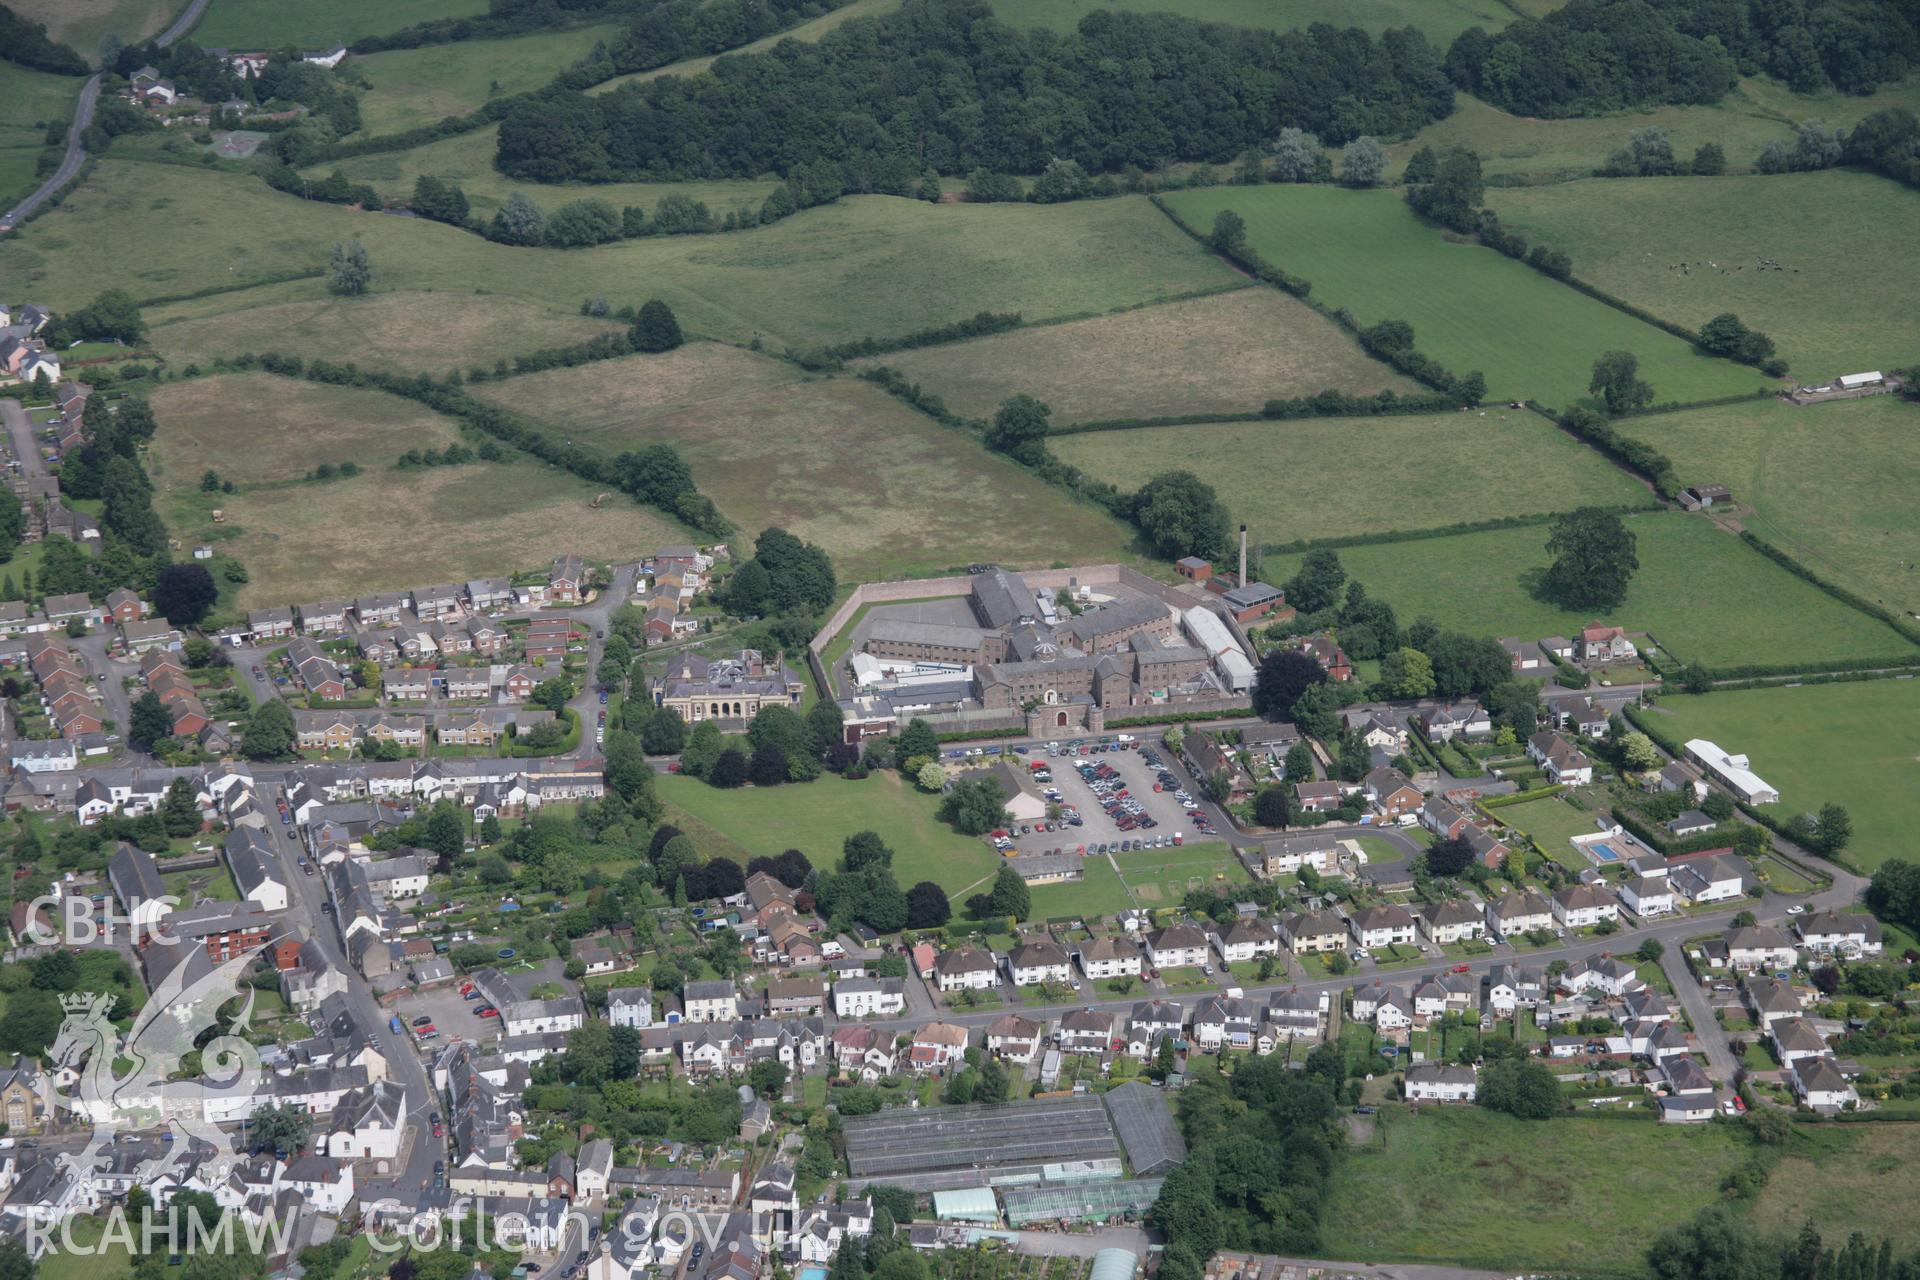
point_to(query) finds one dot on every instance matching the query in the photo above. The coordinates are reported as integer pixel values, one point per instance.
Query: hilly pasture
(1340, 477)
(29, 101)
(836, 461)
(1821, 262)
(1470, 308)
(1702, 593)
(1830, 484)
(871, 265)
(412, 87)
(273, 24)
(1231, 352)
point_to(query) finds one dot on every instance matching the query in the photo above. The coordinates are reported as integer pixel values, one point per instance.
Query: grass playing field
(412, 87)
(871, 265)
(1339, 477)
(1441, 20)
(1854, 744)
(29, 101)
(1703, 594)
(1470, 308)
(382, 529)
(1815, 260)
(1755, 112)
(272, 24)
(408, 332)
(1162, 877)
(1825, 483)
(1472, 1187)
(817, 817)
(836, 461)
(1227, 353)
(467, 159)
(807, 32)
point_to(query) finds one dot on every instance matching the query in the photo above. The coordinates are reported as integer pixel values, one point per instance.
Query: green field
(383, 529)
(817, 817)
(1552, 823)
(1855, 744)
(1700, 592)
(1441, 20)
(404, 332)
(1855, 1188)
(1687, 251)
(1339, 477)
(412, 87)
(806, 31)
(83, 24)
(1226, 353)
(1471, 1187)
(871, 265)
(1161, 877)
(1756, 112)
(29, 100)
(467, 159)
(837, 461)
(273, 24)
(1470, 308)
(1099, 893)
(1825, 483)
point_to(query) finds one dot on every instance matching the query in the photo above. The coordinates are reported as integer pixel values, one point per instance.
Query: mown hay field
(1470, 308)
(402, 332)
(1704, 595)
(412, 87)
(871, 265)
(1820, 262)
(1829, 484)
(1228, 353)
(836, 461)
(1340, 477)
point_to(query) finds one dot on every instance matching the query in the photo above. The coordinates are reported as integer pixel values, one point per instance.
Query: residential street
(20, 435)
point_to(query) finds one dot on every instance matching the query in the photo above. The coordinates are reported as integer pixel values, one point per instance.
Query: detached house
(710, 1001)
(1440, 1082)
(1838, 933)
(1761, 947)
(1713, 877)
(1562, 761)
(1458, 720)
(1605, 644)
(1391, 793)
(869, 998)
(1013, 1038)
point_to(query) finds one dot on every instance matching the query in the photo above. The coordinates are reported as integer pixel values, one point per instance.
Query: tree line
(943, 84)
(27, 44)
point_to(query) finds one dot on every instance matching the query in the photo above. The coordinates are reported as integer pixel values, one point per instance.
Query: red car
(1462, 968)
(487, 1011)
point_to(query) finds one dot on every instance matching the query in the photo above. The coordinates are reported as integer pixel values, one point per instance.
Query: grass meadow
(1340, 477)
(1227, 353)
(29, 100)
(1441, 20)
(817, 817)
(1828, 483)
(1470, 308)
(1856, 744)
(836, 461)
(83, 24)
(807, 32)
(412, 87)
(467, 159)
(404, 332)
(381, 529)
(1701, 592)
(870, 265)
(1855, 1188)
(1471, 1187)
(271, 24)
(1754, 113)
(1690, 249)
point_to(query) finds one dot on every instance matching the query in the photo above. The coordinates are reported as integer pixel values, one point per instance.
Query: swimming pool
(813, 1273)
(1602, 852)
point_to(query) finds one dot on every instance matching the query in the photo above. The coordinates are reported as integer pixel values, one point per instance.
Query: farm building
(950, 1148)
(1732, 772)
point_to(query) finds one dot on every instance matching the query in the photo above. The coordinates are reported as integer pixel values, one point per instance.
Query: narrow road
(1707, 1031)
(76, 154)
(19, 427)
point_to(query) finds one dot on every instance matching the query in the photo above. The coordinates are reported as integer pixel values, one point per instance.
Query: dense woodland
(943, 85)
(26, 42)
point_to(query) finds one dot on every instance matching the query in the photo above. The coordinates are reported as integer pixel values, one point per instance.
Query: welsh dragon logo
(136, 1083)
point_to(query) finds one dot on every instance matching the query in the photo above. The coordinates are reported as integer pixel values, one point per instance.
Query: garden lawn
(29, 100)
(1817, 261)
(1441, 20)
(1311, 478)
(817, 817)
(1702, 594)
(467, 161)
(1228, 353)
(1470, 1187)
(399, 332)
(1855, 744)
(271, 24)
(1754, 113)
(867, 265)
(1553, 823)
(1470, 308)
(1828, 484)
(836, 461)
(412, 87)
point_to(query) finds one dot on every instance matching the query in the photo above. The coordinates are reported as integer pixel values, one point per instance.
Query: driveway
(1708, 1033)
